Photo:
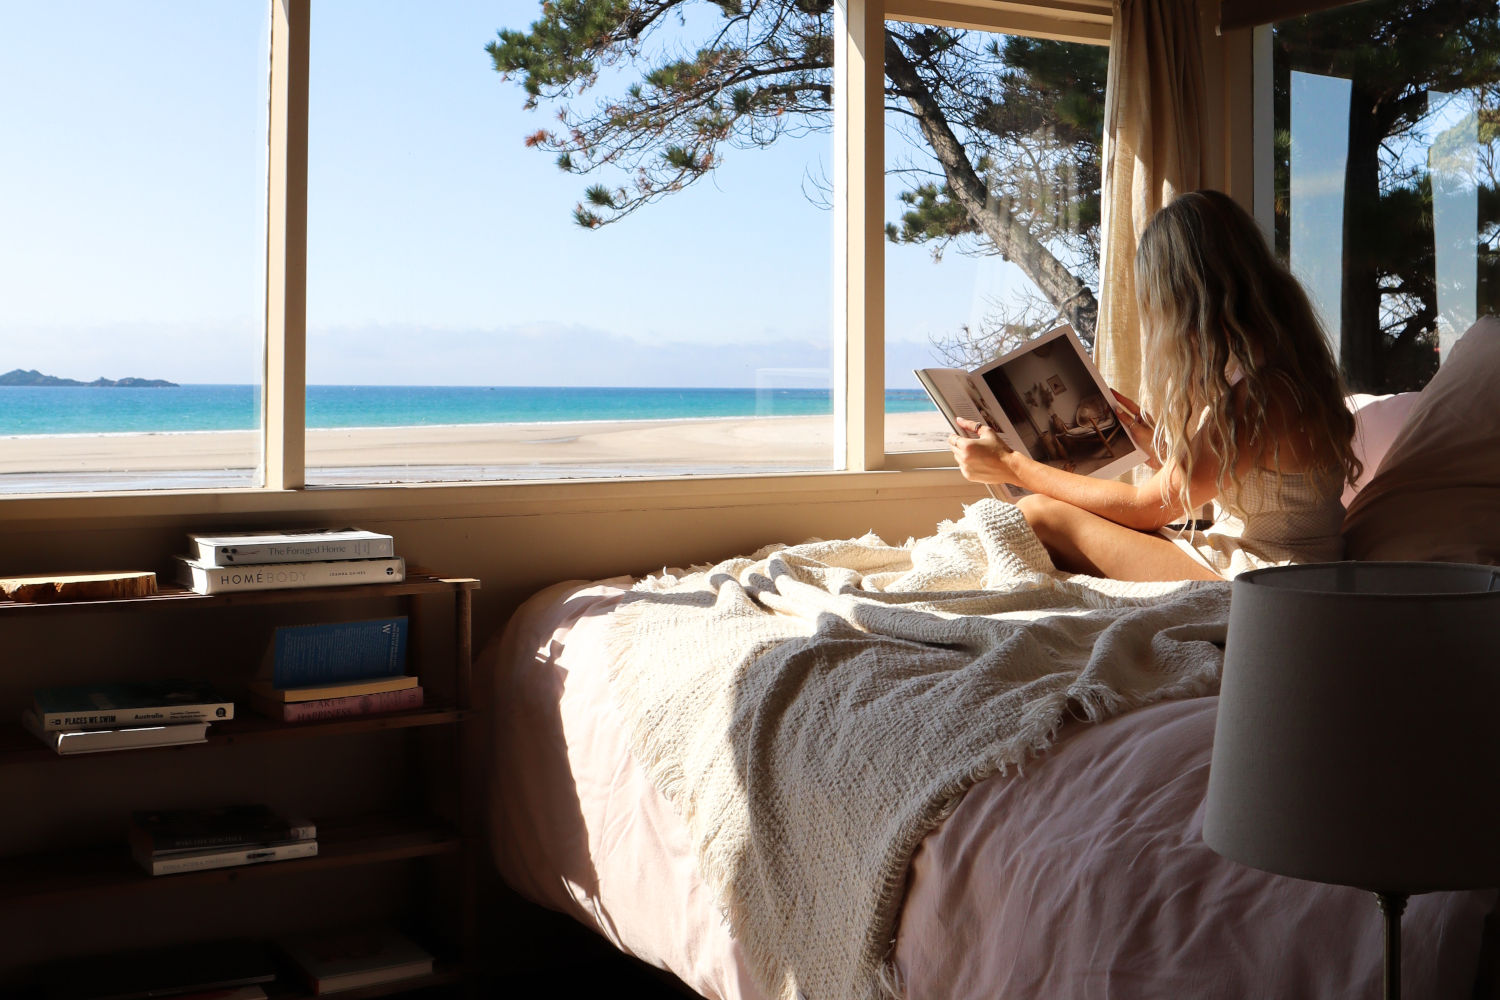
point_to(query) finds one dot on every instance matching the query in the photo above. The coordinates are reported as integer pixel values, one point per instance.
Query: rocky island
(21, 376)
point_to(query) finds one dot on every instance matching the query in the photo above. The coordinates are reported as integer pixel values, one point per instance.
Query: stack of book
(280, 560)
(90, 718)
(328, 671)
(333, 961)
(188, 840)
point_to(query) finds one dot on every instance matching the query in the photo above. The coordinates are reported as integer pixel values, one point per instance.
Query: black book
(225, 826)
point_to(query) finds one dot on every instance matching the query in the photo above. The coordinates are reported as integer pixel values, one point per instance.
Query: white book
(66, 741)
(1044, 399)
(312, 545)
(207, 579)
(194, 861)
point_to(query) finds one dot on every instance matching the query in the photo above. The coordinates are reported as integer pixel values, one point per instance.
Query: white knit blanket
(815, 710)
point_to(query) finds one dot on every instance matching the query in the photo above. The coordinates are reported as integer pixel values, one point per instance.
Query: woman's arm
(985, 458)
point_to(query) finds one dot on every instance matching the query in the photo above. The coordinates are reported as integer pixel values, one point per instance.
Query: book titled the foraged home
(238, 548)
(1044, 399)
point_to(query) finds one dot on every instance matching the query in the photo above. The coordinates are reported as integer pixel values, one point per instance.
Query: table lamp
(1358, 738)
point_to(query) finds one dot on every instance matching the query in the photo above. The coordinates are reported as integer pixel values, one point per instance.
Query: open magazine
(1045, 399)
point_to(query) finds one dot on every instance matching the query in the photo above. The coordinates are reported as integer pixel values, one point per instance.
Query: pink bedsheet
(1084, 877)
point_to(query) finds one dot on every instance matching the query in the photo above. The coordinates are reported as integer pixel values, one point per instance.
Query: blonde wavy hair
(1214, 299)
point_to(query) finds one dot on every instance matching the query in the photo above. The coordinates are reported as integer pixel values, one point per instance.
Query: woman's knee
(1040, 510)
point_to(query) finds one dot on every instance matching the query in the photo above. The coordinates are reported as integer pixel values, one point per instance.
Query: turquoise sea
(28, 410)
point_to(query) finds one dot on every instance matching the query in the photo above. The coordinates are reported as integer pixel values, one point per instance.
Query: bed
(780, 826)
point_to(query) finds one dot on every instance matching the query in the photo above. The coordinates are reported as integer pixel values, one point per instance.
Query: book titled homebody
(304, 655)
(130, 703)
(206, 579)
(311, 545)
(1044, 399)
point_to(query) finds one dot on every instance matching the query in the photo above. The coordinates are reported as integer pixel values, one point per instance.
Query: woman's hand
(1138, 425)
(982, 456)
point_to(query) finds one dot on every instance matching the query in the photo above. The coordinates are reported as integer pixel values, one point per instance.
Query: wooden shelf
(443, 974)
(84, 877)
(175, 597)
(341, 844)
(17, 746)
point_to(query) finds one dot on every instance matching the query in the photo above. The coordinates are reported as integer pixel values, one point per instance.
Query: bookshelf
(425, 747)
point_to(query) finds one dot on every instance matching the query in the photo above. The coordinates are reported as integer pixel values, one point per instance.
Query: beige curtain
(1153, 148)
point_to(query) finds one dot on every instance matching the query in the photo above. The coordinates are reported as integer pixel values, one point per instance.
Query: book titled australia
(130, 703)
(1045, 399)
(312, 545)
(71, 741)
(209, 579)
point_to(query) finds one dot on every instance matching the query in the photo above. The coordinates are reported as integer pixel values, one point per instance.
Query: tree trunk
(1014, 241)
(1359, 348)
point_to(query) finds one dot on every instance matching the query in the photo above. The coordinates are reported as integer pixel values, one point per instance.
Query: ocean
(31, 410)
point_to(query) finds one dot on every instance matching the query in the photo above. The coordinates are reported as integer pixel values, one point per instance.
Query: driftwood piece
(79, 587)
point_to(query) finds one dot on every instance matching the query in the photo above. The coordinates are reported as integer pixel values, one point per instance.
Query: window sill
(507, 499)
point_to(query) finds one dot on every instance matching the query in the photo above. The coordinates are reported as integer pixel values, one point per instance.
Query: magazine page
(958, 395)
(1061, 412)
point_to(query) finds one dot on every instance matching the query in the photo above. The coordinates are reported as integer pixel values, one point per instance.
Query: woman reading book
(1249, 413)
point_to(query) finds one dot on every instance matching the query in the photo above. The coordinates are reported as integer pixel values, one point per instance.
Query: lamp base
(1391, 905)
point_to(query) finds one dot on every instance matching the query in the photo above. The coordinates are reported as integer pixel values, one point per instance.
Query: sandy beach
(448, 453)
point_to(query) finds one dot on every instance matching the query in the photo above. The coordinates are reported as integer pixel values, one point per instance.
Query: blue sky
(440, 250)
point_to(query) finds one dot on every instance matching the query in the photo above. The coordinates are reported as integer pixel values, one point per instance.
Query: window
(975, 233)
(132, 244)
(658, 305)
(636, 272)
(1385, 178)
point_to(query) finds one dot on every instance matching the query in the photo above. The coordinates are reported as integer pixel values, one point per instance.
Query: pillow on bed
(1377, 419)
(1436, 496)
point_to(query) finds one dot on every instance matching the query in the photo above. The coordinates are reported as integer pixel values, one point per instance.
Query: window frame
(862, 464)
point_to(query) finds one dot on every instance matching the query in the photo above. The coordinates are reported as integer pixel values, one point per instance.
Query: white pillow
(1377, 419)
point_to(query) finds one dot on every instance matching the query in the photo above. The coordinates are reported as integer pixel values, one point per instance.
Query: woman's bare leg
(1082, 542)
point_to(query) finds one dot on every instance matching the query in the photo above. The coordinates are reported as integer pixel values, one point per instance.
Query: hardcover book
(66, 741)
(168, 830)
(349, 959)
(177, 862)
(112, 706)
(342, 689)
(339, 708)
(305, 655)
(1045, 399)
(313, 545)
(208, 579)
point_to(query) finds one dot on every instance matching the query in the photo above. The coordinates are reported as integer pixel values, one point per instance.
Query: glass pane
(995, 239)
(132, 244)
(630, 278)
(1385, 178)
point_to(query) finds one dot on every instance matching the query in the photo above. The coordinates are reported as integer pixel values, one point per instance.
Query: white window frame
(859, 256)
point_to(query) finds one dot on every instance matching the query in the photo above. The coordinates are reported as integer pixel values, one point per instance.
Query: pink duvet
(1084, 877)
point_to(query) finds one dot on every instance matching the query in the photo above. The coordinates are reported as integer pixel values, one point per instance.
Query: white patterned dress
(1271, 519)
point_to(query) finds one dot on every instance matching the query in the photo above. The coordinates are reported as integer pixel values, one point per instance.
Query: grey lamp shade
(1358, 737)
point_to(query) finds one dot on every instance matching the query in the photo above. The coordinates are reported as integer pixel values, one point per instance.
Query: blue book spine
(305, 655)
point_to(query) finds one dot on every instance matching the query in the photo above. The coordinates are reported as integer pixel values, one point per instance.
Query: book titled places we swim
(224, 562)
(1044, 399)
